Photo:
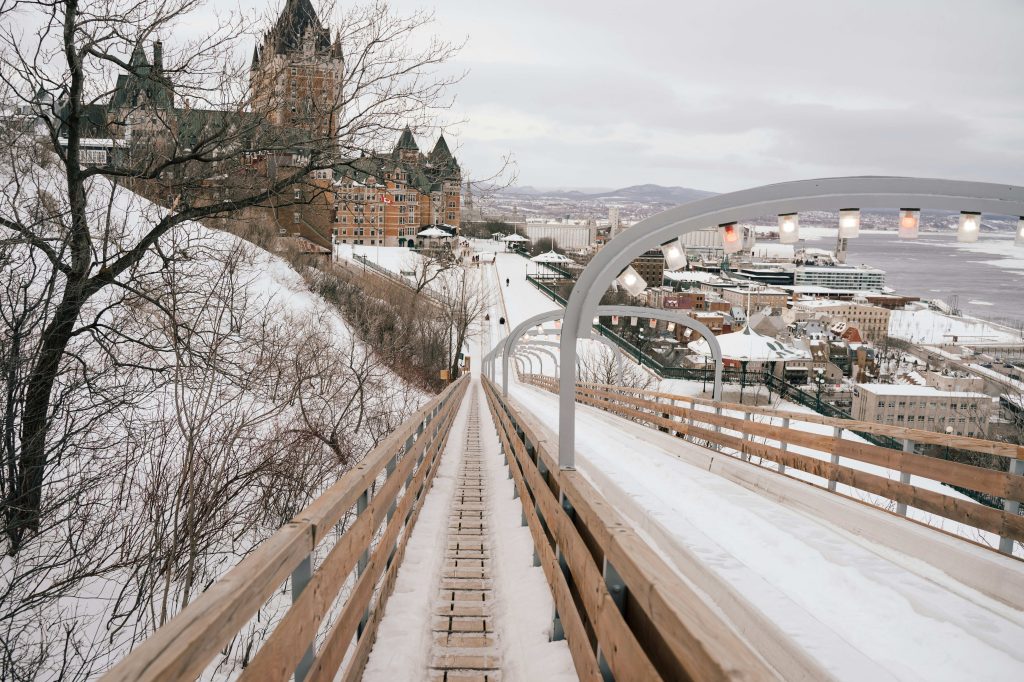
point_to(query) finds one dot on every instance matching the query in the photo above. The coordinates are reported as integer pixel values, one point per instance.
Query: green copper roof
(407, 141)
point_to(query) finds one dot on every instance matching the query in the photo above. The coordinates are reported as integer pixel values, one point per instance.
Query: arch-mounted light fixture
(630, 280)
(675, 254)
(849, 223)
(1019, 239)
(910, 222)
(731, 240)
(789, 228)
(970, 226)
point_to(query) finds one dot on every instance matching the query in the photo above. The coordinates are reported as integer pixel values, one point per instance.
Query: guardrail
(626, 615)
(666, 412)
(385, 492)
(399, 279)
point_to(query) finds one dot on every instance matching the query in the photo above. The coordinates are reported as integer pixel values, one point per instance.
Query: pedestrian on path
(506, 281)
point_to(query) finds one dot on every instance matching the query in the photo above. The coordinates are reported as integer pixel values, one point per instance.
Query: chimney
(158, 56)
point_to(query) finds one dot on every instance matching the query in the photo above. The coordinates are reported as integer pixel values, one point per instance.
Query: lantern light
(789, 228)
(910, 222)
(849, 223)
(1019, 240)
(970, 226)
(675, 255)
(630, 280)
(731, 237)
(653, 322)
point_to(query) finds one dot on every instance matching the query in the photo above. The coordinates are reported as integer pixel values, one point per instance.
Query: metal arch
(537, 347)
(509, 342)
(521, 362)
(620, 357)
(530, 356)
(828, 194)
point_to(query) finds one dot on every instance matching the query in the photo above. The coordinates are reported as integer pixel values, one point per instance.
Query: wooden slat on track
(465, 641)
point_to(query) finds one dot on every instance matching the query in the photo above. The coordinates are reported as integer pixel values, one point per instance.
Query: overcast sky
(726, 94)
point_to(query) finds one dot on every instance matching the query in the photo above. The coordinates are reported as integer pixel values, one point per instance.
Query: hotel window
(296, 217)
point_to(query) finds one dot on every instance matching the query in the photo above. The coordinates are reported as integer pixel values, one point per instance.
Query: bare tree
(202, 163)
(463, 304)
(599, 365)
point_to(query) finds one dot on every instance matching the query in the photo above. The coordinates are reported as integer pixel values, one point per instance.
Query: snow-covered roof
(515, 238)
(748, 345)
(551, 257)
(690, 276)
(433, 232)
(921, 391)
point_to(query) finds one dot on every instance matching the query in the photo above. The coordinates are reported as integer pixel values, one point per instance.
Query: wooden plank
(329, 507)
(983, 480)
(970, 513)
(357, 663)
(329, 659)
(281, 652)
(584, 658)
(702, 644)
(625, 657)
(183, 647)
(899, 432)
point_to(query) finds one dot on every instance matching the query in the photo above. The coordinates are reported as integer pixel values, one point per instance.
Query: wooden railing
(623, 611)
(385, 490)
(682, 416)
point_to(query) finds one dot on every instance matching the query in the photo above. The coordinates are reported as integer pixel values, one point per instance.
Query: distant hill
(654, 194)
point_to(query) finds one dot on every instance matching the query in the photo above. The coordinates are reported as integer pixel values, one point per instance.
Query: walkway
(465, 640)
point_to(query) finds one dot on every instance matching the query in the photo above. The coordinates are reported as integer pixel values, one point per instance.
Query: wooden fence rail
(666, 412)
(386, 488)
(624, 612)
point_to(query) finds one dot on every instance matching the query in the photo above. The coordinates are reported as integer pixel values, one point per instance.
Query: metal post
(747, 437)
(300, 578)
(1011, 506)
(783, 445)
(364, 558)
(837, 433)
(617, 589)
(908, 446)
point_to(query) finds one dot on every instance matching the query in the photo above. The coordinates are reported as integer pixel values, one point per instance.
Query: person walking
(506, 281)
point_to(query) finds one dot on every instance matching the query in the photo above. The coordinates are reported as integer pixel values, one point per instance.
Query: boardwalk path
(465, 642)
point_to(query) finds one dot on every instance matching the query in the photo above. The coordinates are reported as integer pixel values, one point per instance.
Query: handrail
(405, 459)
(713, 427)
(596, 566)
(989, 447)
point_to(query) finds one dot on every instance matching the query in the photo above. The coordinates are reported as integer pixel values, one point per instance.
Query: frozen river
(988, 276)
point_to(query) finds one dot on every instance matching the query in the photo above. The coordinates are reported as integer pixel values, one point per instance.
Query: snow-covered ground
(930, 327)
(850, 604)
(212, 352)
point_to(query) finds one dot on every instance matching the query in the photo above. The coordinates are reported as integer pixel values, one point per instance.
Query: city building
(750, 296)
(840, 277)
(664, 297)
(295, 78)
(961, 413)
(565, 235)
(870, 320)
(651, 266)
(388, 200)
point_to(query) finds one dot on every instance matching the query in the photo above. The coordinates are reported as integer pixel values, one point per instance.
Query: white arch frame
(829, 194)
(506, 345)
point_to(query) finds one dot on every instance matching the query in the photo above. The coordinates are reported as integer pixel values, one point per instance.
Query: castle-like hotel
(296, 83)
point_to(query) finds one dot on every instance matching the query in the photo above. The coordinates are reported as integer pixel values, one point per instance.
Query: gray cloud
(725, 95)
